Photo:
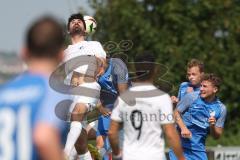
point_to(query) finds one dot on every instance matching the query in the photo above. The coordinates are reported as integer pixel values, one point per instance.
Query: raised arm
(182, 106)
(114, 137)
(216, 126)
(185, 133)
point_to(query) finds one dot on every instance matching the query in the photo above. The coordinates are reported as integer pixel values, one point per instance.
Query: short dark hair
(45, 38)
(145, 62)
(76, 16)
(214, 79)
(196, 63)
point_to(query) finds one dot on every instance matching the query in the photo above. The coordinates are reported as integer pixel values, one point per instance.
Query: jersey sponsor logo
(29, 93)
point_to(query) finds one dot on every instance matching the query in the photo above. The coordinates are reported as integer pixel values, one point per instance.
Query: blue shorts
(189, 155)
(103, 125)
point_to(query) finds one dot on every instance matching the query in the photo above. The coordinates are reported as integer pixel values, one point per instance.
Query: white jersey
(92, 48)
(143, 137)
(83, 48)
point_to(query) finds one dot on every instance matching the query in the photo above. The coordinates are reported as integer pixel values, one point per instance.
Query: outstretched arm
(185, 133)
(215, 131)
(114, 137)
(173, 140)
(216, 126)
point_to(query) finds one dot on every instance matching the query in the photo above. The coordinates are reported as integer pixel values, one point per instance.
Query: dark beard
(77, 31)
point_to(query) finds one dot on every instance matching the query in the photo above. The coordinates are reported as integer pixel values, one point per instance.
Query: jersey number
(137, 120)
(9, 121)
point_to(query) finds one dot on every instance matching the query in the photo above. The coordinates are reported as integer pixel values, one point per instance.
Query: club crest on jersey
(110, 78)
(212, 113)
(81, 47)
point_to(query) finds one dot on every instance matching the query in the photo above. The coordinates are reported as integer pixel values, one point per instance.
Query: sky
(17, 15)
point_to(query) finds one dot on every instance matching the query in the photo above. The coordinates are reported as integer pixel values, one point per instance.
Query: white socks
(86, 156)
(73, 134)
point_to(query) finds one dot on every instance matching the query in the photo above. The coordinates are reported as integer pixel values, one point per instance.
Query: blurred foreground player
(29, 128)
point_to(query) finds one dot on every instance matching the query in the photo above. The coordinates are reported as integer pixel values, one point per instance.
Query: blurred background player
(29, 128)
(195, 70)
(80, 49)
(143, 137)
(197, 114)
(113, 82)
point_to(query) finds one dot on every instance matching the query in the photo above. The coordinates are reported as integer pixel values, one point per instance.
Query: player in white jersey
(89, 56)
(144, 111)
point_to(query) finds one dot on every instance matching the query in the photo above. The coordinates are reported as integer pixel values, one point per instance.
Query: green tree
(178, 30)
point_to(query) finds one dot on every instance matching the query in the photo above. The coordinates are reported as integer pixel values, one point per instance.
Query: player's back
(143, 137)
(23, 102)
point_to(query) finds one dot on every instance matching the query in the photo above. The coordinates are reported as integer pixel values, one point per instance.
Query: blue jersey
(183, 89)
(195, 114)
(24, 102)
(115, 74)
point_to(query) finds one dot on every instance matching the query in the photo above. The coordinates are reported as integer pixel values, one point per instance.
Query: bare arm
(184, 130)
(173, 140)
(48, 143)
(216, 132)
(114, 137)
(122, 87)
(104, 111)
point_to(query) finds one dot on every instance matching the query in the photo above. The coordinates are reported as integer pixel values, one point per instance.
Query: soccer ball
(91, 24)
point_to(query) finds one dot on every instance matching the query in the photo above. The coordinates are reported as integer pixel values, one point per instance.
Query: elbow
(216, 136)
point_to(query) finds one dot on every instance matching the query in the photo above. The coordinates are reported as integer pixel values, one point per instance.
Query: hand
(174, 99)
(186, 133)
(190, 89)
(212, 120)
(104, 111)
